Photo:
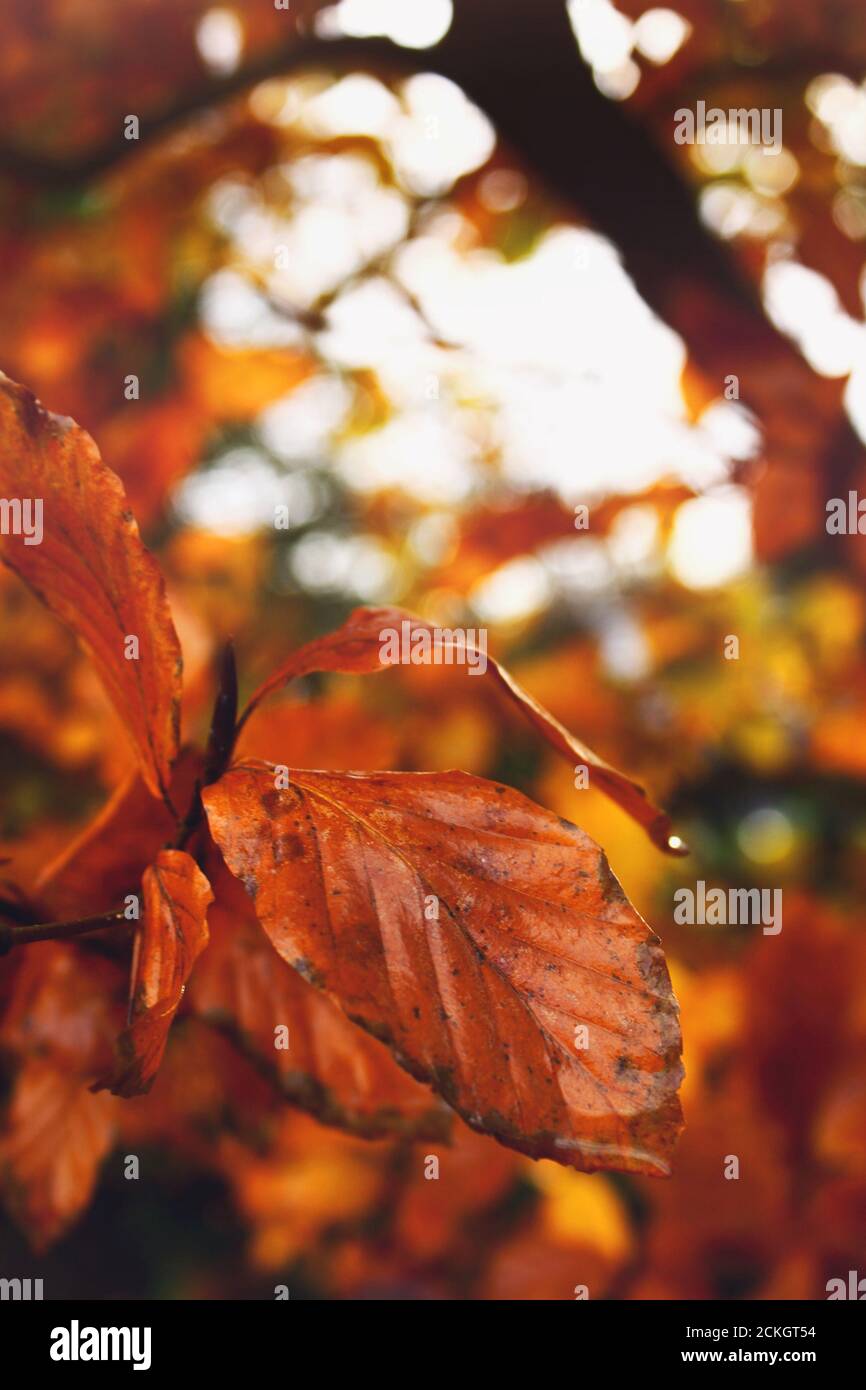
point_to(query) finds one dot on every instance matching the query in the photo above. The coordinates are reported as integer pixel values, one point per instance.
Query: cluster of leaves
(531, 938)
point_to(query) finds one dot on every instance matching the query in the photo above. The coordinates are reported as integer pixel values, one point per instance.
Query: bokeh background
(433, 276)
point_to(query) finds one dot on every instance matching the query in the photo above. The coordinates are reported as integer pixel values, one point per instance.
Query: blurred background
(432, 276)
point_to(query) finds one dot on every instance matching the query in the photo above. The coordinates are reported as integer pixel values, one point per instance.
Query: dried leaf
(106, 861)
(476, 934)
(354, 649)
(320, 1060)
(91, 569)
(173, 933)
(58, 1028)
(56, 1135)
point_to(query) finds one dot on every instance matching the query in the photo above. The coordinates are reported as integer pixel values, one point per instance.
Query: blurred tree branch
(522, 67)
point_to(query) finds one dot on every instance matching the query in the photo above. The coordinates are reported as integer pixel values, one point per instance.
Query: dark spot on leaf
(308, 971)
(288, 847)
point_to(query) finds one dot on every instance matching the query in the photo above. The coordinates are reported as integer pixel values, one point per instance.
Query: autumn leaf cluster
(531, 940)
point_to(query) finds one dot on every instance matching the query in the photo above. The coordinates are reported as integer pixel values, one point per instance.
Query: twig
(12, 935)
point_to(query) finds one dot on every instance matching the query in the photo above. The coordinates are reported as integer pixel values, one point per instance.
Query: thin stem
(11, 935)
(220, 742)
(191, 820)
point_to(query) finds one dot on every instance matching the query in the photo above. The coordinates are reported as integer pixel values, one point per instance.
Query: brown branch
(11, 935)
(65, 171)
(522, 67)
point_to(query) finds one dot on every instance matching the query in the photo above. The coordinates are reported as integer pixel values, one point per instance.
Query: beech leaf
(172, 934)
(56, 1135)
(108, 857)
(86, 561)
(482, 938)
(318, 1059)
(55, 1132)
(355, 649)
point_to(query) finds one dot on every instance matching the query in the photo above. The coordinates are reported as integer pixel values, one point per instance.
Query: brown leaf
(533, 938)
(107, 859)
(92, 570)
(56, 1135)
(57, 1030)
(173, 932)
(330, 1067)
(63, 1006)
(354, 649)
